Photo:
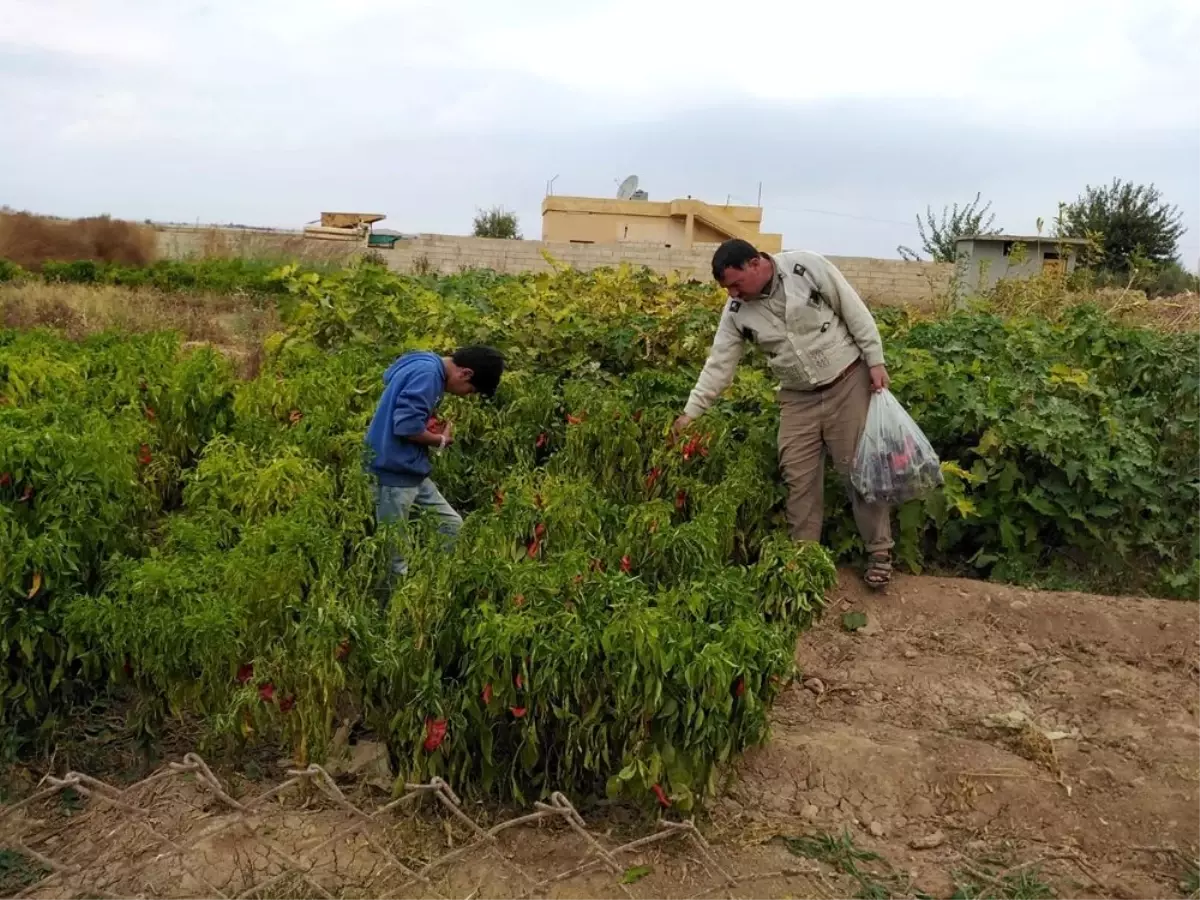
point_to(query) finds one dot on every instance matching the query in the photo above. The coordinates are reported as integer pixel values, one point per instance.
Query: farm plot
(621, 610)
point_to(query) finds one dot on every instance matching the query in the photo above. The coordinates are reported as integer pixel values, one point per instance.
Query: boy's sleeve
(414, 403)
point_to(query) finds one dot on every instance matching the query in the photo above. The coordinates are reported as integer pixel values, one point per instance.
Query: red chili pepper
(151, 414)
(663, 800)
(740, 687)
(652, 477)
(295, 416)
(287, 703)
(680, 499)
(144, 455)
(343, 649)
(245, 673)
(539, 529)
(487, 694)
(518, 682)
(534, 546)
(435, 733)
(578, 579)
(5, 479)
(517, 711)
(574, 420)
(626, 564)
(519, 600)
(542, 440)
(704, 452)
(266, 692)
(434, 425)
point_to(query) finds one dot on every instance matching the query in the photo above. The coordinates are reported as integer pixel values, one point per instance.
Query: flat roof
(1023, 238)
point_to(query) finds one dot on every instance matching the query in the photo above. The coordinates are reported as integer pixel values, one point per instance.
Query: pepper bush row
(620, 609)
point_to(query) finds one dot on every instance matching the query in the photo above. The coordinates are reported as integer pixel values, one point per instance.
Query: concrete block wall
(879, 281)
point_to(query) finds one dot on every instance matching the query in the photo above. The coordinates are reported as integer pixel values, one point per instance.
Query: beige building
(676, 223)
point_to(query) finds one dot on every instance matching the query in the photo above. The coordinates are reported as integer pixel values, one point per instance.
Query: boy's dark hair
(733, 254)
(486, 365)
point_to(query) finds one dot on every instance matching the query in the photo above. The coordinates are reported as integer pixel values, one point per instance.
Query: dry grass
(1049, 297)
(231, 323)
(30, 240)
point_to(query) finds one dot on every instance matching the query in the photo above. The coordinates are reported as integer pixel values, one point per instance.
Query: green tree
(1131, 223)
(497, 223)
(938, 237)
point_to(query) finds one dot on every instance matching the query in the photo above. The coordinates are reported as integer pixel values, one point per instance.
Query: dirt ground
(972, 740)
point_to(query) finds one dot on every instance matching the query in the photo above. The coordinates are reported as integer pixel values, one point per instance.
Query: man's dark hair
(486, 365)
(733, 254)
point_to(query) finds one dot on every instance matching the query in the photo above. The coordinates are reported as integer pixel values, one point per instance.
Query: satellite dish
(627, 188)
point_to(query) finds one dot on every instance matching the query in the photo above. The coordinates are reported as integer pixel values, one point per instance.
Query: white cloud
(282, 103)
(111, 32)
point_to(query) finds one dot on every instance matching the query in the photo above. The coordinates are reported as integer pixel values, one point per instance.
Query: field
(621, 614)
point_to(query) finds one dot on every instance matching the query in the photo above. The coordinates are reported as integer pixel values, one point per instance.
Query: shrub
(32, 241)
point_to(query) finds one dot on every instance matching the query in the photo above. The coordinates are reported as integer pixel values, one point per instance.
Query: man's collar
(772, 282)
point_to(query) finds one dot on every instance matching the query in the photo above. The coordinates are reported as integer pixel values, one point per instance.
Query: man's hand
(879, 378)
(681, 424)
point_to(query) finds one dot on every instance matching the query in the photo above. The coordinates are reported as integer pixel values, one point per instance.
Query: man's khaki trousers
(811, 423)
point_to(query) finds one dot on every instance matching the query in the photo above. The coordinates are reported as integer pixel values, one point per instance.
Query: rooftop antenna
(628, 188)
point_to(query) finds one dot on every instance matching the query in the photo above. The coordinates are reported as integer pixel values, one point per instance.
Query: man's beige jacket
(826, 327)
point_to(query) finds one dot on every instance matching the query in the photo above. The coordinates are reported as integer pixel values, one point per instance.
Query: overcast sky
(852, 115)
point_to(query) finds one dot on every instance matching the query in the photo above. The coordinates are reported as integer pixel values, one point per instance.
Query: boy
(399, 436)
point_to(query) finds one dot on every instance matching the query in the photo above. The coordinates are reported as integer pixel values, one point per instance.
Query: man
(403, 430)
(824, 348)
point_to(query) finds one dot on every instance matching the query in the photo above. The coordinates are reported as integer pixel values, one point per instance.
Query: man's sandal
(879, 571)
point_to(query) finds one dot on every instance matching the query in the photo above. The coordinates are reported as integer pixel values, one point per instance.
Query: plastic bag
(894, 461)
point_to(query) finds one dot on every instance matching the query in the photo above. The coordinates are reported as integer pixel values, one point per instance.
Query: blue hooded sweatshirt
(413, 387)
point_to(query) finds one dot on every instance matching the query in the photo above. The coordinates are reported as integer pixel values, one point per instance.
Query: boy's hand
(681, 424)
